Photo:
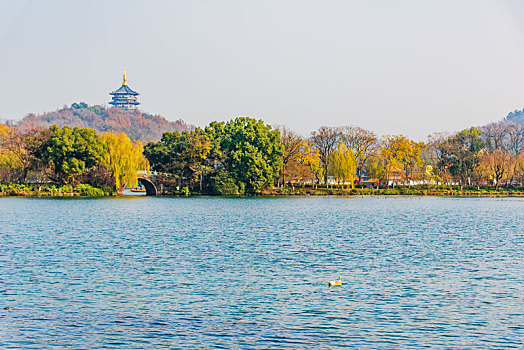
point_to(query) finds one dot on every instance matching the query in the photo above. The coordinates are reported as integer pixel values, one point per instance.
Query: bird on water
(336, 283)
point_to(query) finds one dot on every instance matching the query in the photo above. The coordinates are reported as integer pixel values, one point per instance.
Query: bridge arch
(150, 187)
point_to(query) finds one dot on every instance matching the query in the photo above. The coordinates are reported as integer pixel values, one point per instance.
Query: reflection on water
(253, 273)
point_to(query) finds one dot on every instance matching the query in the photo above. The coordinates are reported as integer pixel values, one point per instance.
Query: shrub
(390, 191)
(224, 184)
(407, 191)
(65, 189)
(89, 191)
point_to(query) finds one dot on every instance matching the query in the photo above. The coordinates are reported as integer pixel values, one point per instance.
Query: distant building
(124, 98)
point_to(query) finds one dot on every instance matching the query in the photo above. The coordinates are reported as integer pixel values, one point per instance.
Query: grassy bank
(47, 190)
(443, 191)
(85, 190)
(448, 191)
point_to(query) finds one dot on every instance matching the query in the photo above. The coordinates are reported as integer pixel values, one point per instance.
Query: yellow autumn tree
(310, 157)
(381, 164)
(11, 154)
(399, 151)
(344, 164)
(123, 159)
(3, 130)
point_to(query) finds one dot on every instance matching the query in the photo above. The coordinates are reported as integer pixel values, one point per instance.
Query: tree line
(491, 155)
(70, 156)
(245, 155)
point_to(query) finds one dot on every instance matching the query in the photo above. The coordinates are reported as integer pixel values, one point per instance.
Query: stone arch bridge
(157, 183)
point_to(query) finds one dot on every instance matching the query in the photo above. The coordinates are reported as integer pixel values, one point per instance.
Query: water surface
(253, 272)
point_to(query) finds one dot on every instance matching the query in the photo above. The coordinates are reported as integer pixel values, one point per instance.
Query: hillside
(516, 116)
(136, 124)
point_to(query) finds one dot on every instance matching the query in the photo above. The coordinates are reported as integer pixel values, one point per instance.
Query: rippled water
(252, 273)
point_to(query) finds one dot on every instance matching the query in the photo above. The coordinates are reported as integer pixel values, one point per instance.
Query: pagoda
(124, 98)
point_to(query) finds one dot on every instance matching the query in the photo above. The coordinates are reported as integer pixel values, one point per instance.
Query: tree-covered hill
(516, 116)
(136, 124)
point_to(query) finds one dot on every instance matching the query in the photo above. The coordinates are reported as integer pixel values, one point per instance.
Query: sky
(394, 67)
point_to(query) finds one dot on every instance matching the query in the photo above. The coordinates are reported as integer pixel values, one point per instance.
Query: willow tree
(344, 164)
(123, 159)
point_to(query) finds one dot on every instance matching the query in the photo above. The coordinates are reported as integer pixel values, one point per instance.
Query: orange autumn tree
(496, 165)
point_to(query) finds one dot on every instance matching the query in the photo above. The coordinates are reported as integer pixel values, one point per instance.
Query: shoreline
(88, 191)
(449, 194)
(402, 191)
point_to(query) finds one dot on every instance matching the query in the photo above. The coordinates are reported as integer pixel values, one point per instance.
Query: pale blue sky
(408, 67)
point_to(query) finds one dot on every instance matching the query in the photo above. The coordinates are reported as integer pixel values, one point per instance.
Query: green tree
(224, 184)
(249, 150)
(71, 151)
(460, 154)
(184, 154)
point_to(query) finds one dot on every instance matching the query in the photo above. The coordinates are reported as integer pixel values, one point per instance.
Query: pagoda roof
(123, 102)
(124, 90)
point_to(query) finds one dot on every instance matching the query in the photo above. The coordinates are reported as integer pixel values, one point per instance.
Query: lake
(152, 272)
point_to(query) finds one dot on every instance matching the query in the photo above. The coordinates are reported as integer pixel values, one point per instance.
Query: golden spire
(125, 78)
